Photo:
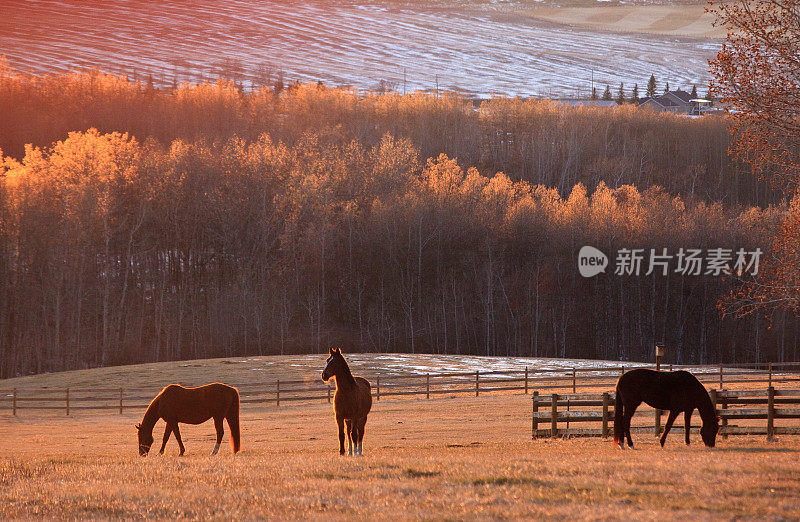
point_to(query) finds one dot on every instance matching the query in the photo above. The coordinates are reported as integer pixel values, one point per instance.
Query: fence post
(427, 386)
(554, 416)
(120, 401)
(477, 383)
(67, 400)
(721, 386)
(770, 413)
(535, 421)
(770, 375)
(278, 393)
(526, 379)
(379, 390)
(574, 384)
(714, 399)
(622, 370)
(14, 402)
(606, 399)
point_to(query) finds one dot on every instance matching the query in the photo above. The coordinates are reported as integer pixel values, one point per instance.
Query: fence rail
(547, 420)
(429, 385)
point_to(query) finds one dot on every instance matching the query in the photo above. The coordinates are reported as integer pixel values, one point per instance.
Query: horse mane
(152, 414)
(348, 375)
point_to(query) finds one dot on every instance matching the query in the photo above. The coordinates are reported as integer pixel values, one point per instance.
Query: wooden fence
(553, 413)
(395, 386)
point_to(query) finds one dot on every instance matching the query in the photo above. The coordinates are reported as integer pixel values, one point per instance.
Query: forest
(147, 224)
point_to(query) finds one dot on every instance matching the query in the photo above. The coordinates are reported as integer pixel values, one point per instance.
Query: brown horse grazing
(351, 402)
(674, 391)
(191, 406)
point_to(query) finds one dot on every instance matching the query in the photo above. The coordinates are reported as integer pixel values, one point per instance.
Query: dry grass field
(445, 458)
(665, 20)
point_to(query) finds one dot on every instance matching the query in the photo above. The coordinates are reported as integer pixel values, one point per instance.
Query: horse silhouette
(674, 391)
(351, 402)
(191, 406)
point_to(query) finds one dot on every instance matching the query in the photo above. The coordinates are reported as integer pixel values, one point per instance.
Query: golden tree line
(120, 250)
(537, 141)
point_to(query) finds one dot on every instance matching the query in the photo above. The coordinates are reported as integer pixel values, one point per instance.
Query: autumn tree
(757, 73)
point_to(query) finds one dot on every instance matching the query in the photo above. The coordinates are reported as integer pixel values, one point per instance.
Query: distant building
(678, 102)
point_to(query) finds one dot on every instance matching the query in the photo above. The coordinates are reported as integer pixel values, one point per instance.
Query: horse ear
(338, 350)
(138, 426)
(331, 351)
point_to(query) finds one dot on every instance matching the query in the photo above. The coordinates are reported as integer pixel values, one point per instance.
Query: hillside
(478, 47)
(250, 370)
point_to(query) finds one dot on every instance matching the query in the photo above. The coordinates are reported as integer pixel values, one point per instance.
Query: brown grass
(439, 459)
(669, 20)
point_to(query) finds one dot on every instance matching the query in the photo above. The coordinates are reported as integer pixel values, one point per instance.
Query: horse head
(709, 432)
(334, 364)
(145, 440)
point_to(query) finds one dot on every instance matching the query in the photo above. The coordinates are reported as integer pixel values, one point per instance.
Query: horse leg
(673, 414)
(340, 423)
(178, 438)
(349, 423)
(361, 425)
(629, 411)
(220, 433)
(687, 417)
(167, 431)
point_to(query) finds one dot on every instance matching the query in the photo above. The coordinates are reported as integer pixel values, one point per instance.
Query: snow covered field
(480, 48)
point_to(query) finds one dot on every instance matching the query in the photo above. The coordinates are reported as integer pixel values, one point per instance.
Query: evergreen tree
(635, 93)
(607, 94)
(694, 92)
(666, 88)
(594, 93)
(651, 86)
(620, 94)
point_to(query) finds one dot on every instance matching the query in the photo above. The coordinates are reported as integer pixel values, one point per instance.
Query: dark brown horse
(674, 391)
(191, 406)
(351, 403)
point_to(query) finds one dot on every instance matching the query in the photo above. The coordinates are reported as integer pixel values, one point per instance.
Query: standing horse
(351, 402)
(674, 391)
(191, 406)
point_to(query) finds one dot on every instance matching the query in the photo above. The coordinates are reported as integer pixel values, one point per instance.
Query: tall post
(770, 413)
(535, 421)
(378, 379)
(554, 416)
(14, 402)
(721, 386)
(477, 383)
(526, 379)
(574, 381)
(66, 398)
(714, 399)
(278, 393)
(606, 400)
(770, 375)
(427, 386)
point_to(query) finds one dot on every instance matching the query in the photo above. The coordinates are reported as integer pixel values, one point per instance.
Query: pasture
(443, 458)
(447, 457)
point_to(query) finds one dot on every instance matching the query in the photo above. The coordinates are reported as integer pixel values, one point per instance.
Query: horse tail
(618, 431)
(233, 422)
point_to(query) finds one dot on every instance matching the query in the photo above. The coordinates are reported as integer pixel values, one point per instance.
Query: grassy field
(665, 20)
(444, 458)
